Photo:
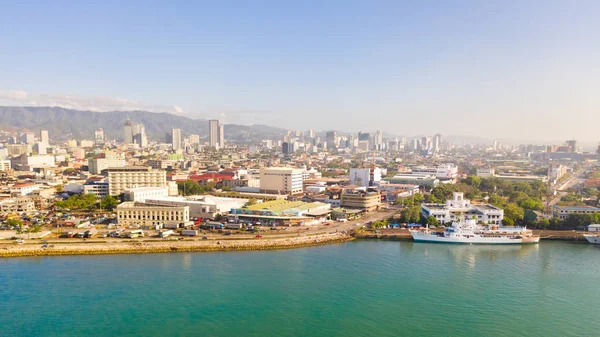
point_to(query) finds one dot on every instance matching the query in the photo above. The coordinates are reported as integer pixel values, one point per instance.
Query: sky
(522, 69)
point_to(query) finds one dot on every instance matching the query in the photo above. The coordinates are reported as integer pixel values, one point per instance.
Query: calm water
(363, 288)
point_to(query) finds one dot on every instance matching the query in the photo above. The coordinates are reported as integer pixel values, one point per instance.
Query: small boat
(592, 238)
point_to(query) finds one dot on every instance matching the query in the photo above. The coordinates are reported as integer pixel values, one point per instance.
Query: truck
(189, 232)
(233, 226)
(166, 234)
(135, 234)
(171, 225)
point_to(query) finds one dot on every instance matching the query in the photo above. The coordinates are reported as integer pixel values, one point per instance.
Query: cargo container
(166, 234)
(189, 232)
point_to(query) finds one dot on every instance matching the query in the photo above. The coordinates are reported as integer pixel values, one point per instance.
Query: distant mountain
(67, 123)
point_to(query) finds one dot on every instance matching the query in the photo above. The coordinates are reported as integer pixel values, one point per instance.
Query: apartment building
(122, 178)
(281, 180)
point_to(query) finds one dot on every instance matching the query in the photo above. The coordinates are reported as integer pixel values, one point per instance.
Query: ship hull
(595, 239)
(474, 240)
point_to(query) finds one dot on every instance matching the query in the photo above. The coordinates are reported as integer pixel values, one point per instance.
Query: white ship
(468, 232)
(593, 238)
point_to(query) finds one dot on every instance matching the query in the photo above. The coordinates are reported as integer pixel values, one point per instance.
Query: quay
(147, 246)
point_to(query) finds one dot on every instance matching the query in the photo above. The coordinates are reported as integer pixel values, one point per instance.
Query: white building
(24, 189)
(365, 177)
(459, 207)
(201, 206)
(97, 188)
(122, 178)
(213, 133)
(96, 165)
(486, 172)
(44, 137)
(29, 163)
(281, 180)
(130, 213)
(441, 172)
(140, 194)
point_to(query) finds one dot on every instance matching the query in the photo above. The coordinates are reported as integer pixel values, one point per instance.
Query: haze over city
(525, 70)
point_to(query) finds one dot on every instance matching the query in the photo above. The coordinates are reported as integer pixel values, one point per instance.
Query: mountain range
(64, 124)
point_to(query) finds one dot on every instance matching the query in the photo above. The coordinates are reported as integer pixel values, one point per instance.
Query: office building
(130, 213)
(360, 199)
(365, 177)
(176, 139)
(331, 139)
(97, 165)
(281, 180)
(213, 133)
(122, 178)
(44, 137)
(27, 138)
(128, 132)
(99, 137)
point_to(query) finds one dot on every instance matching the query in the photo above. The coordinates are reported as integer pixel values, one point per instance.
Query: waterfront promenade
(154, 246)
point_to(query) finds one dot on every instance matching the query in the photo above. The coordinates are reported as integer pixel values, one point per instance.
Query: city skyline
(479, 69)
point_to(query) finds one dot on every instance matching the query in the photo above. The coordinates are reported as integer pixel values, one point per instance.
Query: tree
(432, 221)
(474, 181)
(18, 224)
(532, 204)
(411, 214)
(189, 187)
(59, 188)
(508, 222)
(251, 201)
(108, 203)
(418, 198)
(443, 191)
(513, 212)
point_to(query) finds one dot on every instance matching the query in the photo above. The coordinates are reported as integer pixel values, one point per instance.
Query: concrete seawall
(14, 250)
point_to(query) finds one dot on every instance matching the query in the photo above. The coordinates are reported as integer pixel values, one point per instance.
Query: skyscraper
(99, 136)
(176, 139)
(44, 137)
(213, 133)
(437, 142)
(128, 132)
(311, 133)
(27, 138)
(331, 139)
(221, 135)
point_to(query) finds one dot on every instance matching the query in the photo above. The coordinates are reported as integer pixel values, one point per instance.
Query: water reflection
(469, 255)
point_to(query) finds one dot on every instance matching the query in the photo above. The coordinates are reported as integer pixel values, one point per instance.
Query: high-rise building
(311, 133)
(99, 136)
(27, 138)
(437, 142)
(213, 133)
(221, 135)
(331, 139)
(378, 139)
(44, 137)
(176, 139)
(128, 132)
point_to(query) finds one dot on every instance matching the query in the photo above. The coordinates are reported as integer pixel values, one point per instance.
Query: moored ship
(469, 232)
(593, 238)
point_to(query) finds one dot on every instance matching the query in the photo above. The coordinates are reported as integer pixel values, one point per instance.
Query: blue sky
(507, 69)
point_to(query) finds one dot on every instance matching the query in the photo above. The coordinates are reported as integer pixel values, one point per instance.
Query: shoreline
(147, 247)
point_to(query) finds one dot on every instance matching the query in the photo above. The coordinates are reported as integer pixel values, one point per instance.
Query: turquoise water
(361, 288)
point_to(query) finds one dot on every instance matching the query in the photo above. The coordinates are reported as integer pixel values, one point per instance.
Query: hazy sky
(522, 69)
